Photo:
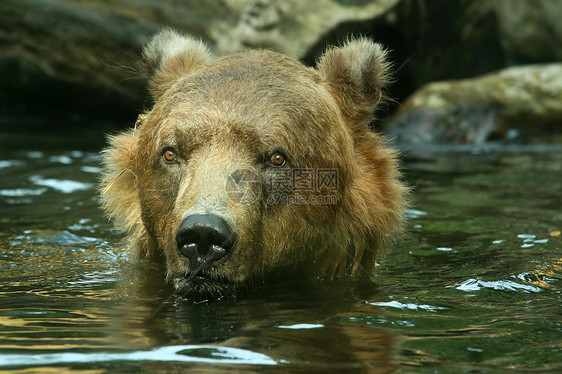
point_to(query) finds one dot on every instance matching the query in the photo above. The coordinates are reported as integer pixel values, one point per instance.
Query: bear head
(253, 165)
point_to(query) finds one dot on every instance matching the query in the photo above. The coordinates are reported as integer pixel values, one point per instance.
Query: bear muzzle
(204, 239)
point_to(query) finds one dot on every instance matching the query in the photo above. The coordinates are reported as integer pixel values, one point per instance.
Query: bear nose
(204, 238)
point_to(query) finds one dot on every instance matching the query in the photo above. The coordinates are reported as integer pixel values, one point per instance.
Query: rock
(440, 40)
(530, 31)
(67, 58)
(289, 26)
(76, 60)
(522, 101)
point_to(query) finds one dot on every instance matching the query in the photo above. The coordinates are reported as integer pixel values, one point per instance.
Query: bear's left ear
(169, 56)
(356, 75)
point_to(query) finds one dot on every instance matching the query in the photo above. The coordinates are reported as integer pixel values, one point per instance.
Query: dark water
(474, 287)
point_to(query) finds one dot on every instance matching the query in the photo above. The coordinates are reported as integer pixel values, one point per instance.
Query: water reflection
(300, 324)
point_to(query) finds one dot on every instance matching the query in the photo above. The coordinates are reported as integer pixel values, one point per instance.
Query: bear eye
(277, 160)
(170, 156)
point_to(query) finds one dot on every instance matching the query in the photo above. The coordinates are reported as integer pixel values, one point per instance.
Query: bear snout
(204, 238)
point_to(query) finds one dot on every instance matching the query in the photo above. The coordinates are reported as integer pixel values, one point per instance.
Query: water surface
(474, 286)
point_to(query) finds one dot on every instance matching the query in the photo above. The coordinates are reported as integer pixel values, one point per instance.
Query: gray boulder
(518, 102)
(67, 56)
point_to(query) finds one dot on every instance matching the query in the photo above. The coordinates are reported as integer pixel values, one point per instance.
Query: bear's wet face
(253, 164)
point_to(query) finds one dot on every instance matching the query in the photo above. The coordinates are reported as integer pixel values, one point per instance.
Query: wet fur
(329, 128)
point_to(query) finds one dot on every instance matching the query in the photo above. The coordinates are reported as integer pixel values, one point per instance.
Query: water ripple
(61, 185)
(178, 353)
(411, 306)
(477, 284)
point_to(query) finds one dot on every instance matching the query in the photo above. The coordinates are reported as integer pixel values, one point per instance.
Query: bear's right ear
(169, 56)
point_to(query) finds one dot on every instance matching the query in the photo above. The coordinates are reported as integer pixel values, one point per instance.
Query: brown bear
(252, 166)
